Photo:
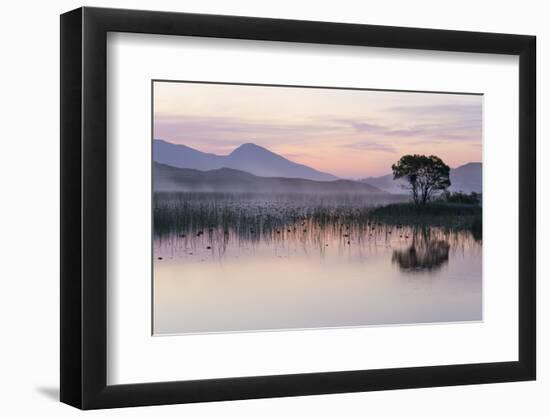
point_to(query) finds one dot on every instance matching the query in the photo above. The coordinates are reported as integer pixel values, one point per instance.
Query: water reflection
(241, 265)
(425, 253)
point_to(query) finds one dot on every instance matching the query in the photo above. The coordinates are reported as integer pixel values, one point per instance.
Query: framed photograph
(257, 207)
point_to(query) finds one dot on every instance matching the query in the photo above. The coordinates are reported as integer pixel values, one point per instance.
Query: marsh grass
(451, 216)
(252, 213)
(251, 217)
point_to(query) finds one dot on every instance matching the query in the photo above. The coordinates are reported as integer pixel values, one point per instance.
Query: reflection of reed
(426, 252)
(218, 224)
(253, 216)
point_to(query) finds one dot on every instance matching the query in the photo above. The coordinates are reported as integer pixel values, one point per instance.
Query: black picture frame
(84, 207)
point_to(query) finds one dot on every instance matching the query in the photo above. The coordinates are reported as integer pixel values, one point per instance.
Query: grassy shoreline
(438, 214)
(188, 213)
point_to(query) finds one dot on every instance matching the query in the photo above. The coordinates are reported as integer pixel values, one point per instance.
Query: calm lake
(225, 263)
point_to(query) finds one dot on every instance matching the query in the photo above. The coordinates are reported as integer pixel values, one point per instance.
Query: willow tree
(426, 175)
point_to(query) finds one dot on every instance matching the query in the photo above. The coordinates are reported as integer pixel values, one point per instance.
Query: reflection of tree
(424, 253)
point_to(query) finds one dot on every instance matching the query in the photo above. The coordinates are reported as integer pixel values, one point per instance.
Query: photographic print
(284, 207)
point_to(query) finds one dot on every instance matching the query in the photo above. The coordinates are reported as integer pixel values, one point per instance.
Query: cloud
(456, 122)
(439, 128)
(367, 127)
(459, 110)
(224, 131)
(371, 146)
(385, 131)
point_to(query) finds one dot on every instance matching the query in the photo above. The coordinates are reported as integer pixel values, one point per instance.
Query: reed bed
(252, 216)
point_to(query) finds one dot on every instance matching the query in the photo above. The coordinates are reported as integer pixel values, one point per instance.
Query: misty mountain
(169, 178)
(249, 157)
(465, 178)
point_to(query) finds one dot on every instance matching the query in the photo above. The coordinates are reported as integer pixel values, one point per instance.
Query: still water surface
(217, 276)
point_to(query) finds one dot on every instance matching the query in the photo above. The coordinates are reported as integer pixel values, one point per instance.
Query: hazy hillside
(465, 178)
(168, 178)
(248, 157)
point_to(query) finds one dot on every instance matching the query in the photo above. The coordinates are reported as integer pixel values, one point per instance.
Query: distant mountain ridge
(465, 178)
(248, 157)
(169, 178)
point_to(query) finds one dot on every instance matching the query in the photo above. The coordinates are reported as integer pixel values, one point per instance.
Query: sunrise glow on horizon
(347, 133)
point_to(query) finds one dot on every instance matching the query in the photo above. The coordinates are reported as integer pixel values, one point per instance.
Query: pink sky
(348, 133)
